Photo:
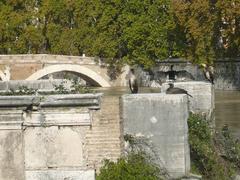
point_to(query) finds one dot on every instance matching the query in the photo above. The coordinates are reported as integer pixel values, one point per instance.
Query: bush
(132, 167)
(229, 147)
(205, 157)
(139, 163)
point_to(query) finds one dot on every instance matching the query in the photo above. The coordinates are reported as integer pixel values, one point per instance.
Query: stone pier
(163, 120)
(202, 100)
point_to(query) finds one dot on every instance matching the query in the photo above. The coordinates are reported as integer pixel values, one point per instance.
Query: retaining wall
(57, 136)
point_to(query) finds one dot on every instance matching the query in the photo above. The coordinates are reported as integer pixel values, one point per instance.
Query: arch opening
(85, 73)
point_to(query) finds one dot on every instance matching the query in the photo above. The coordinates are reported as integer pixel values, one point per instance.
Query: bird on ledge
(208, 72)
(133, 84)
(175, 90)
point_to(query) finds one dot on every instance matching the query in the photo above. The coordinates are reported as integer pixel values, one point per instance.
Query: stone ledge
(60, 175)
(57, 119)
(52, 100)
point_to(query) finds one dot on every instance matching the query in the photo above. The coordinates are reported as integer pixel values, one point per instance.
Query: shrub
(139, 163)
(229, 147)
(132, 167)
(205, 157)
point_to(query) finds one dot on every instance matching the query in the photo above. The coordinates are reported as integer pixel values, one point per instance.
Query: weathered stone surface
(105, 138)
(11, 155)
(60, 175)
(54, 147)
(11, 119)
(203, 96)
(58, 137)
(163, 119)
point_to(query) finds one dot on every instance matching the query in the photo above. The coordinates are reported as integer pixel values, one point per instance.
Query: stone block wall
(163, 120)
(57, 136)
(105, 138)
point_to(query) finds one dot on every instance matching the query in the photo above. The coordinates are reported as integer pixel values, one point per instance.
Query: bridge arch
(84, 71)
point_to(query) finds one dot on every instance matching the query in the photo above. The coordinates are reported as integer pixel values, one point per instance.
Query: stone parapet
(45, 58)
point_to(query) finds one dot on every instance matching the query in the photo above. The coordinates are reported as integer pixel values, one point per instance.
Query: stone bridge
(34, 67)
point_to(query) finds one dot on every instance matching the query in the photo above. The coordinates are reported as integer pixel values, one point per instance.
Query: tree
(209, 29)
(196, 20)
(228, 16)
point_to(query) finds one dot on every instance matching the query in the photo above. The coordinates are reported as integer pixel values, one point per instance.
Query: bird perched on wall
(181, 75)
(208, 72)
(175, 90)
(171, 74)
(133, 84)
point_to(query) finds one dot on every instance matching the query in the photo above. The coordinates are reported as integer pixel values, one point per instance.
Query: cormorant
(208, 72)
(133, 85)
(182, 75)
(171, 74)
(175, 90)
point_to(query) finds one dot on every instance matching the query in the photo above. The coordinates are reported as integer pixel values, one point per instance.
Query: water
(227, 106)
(227, 110)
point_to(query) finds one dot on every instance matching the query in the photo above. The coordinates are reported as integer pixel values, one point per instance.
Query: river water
(227, 106)
(227, 110)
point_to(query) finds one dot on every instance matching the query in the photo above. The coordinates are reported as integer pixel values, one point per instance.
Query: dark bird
(175, 90)
(171, 74)
(208, 72)
(182, 75)
(133, 84)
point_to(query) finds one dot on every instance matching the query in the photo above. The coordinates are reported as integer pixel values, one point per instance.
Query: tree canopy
(207, 29)
(122, 31)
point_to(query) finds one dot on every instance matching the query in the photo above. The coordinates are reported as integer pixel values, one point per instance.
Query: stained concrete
(163, 119)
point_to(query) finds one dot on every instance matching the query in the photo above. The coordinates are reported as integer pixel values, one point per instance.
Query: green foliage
(60, 89)
(75, 88)
(132, 167)
(139, 163)
(205, 157)
(228, 146)
(206, 30)
(120, 31)
(22, 90)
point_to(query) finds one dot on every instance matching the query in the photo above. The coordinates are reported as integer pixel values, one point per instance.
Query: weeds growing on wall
(75, 88)
(22, 90)
(213, 155)
(137, 164)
